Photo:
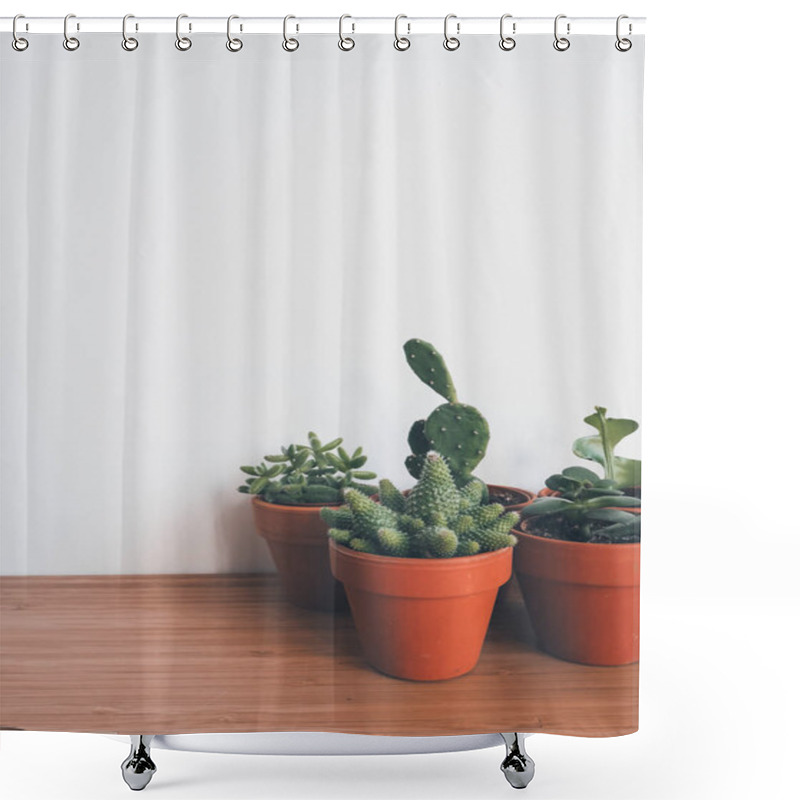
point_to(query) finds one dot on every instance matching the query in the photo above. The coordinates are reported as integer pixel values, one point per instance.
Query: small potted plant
(422, 571)
(625, 472)
(288, 490)
(456, 430)
(577, 561)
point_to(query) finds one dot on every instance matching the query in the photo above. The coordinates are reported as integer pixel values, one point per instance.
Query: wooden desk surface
(224, 653)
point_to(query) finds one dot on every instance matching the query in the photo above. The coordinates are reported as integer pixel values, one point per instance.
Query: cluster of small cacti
(456, 430)
(437, 519)
(304, 474)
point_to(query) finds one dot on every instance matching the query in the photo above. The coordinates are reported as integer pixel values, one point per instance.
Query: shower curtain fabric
(206, 254)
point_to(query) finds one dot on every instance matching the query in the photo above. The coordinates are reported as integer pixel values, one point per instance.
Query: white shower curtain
(206, 254)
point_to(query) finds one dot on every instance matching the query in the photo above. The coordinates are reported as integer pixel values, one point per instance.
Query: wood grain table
(225, 653)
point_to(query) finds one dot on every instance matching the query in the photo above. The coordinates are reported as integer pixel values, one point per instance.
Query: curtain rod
(326, 25)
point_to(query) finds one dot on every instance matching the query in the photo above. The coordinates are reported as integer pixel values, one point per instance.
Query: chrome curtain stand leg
(517, 766)
(138, 768)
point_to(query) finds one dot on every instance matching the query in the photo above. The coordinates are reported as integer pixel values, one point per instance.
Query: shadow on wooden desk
(225, 653)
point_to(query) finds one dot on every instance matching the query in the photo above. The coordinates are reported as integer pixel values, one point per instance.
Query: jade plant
(309, 473)
(457, 431)
(437, 519)
(586, 508)
(625, 472)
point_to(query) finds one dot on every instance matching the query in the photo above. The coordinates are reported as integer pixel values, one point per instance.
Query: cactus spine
(436, 520)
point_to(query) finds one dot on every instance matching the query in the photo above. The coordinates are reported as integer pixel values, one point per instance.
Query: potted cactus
(577, 561)
(421, 571)
(456, 430)
(288, 490)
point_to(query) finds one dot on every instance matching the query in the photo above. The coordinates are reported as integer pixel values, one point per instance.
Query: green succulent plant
(457, 431)
(438, 519)
(588, 508)
(312, 473)
(625, 472)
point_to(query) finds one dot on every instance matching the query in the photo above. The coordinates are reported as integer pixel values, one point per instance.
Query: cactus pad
(460, 433)
(429, 367)
(417, 440)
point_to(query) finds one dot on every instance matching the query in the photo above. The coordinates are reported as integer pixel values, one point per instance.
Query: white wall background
(219, 252)
(720, 595)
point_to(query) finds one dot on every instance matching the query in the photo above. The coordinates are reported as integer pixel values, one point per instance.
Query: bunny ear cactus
(626, 472)
(456, 430)
(308, 474)
(437, 519)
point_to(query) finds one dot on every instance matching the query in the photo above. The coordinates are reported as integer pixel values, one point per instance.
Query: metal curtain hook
(346, 42)
(17, 42)
(290, 44)
(451, 42)
(128, 42)
(623, 44)
(234, 45)
(507, 42)
(70, 42)
(181, 42)
(561, 43)
(401, 42)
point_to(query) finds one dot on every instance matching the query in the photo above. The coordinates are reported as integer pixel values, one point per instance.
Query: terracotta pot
(526, 496)
(582, 599)
(507, 589)
(423, 619)
(298, 542)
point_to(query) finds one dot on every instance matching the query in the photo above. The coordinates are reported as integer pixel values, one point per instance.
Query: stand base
(517, 766)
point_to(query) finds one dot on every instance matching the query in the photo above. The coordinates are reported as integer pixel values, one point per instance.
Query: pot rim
(573, 545)
(422, 563)
(256, 500)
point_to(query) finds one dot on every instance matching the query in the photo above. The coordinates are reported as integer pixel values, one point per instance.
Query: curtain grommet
(289, 44)
(401, 43)
(182, 43)
(623, 44)
(451, 43)
(19, 43)
(507, 43)
(346, 43)
(70, 43)
(561, 43)
(129, 43)
(233, 44)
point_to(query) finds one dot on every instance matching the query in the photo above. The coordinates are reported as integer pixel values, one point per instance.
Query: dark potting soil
(507, 497)
(575, 535)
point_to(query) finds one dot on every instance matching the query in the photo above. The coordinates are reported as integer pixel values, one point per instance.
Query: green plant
(456, 430)
(625, 472)
(436, 520)
(587, 508)
(309, 473)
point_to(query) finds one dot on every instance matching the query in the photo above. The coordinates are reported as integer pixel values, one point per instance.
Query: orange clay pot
(495, 489)
(298, 542)
(582, 599)
(423, 619)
